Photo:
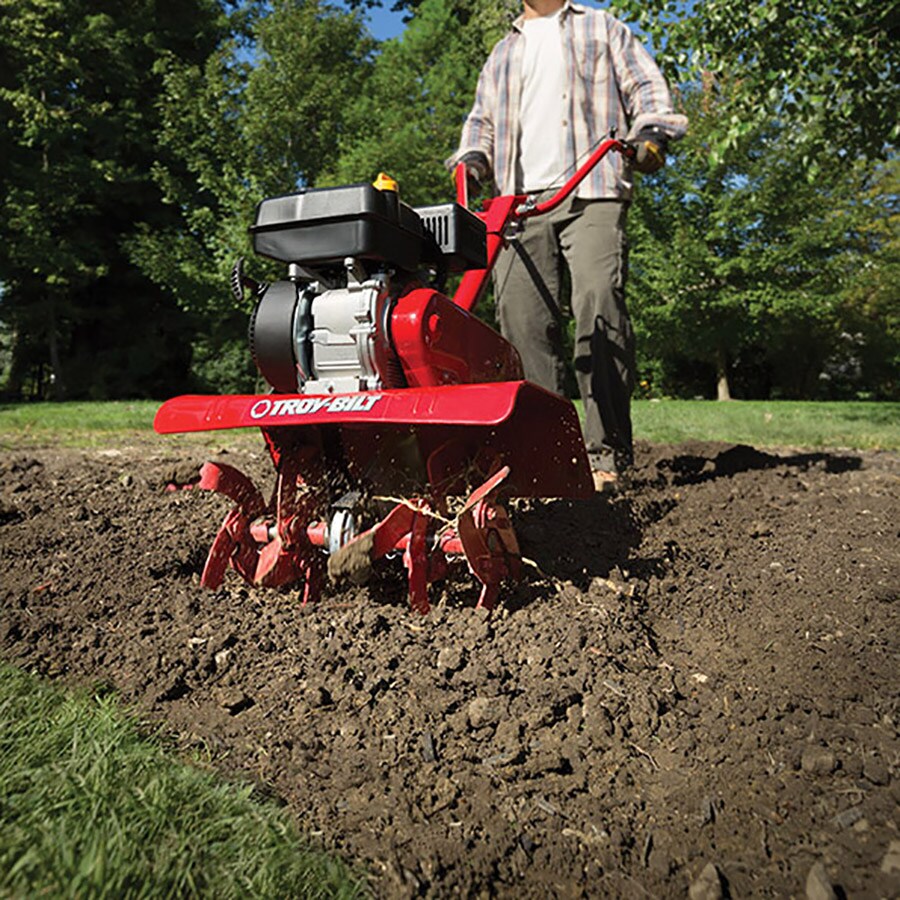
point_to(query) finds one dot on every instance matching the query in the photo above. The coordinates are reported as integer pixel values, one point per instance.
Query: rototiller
(388, 399)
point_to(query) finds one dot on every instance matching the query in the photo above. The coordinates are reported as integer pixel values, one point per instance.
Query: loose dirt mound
(710, 676)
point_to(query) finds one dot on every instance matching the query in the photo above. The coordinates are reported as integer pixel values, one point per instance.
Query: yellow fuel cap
(384, 182)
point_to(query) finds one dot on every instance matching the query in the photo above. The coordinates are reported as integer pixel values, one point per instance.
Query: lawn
(91, 805)
(761, 423)
(764, 423)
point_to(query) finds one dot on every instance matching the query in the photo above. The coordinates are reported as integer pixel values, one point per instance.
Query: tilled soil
(700, 670)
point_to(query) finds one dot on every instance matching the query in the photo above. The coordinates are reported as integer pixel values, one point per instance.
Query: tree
(739, 267)
(829, 67)
(260, 117)
(408, 119)
(78, 82)
(867, 357)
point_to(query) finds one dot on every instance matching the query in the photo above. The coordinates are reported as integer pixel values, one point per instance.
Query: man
(562, 80)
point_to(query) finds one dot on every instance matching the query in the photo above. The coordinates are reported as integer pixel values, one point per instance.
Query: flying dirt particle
(353, 560)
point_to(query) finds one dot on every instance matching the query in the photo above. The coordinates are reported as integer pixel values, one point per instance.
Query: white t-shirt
(542, 110)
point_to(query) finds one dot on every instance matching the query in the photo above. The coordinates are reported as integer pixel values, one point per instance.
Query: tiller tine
(404, 529)
(234, 543)
(488, 540)
(416, 561)
(234, 484)
(279, 566)
(482, 535)
(288, 556)
(263, 552)
(231, 545)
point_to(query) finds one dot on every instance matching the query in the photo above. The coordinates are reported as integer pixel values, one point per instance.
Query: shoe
(604, 482)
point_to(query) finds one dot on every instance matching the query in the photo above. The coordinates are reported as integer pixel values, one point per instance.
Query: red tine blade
(219, 557)
(416, 560)
(234, 484)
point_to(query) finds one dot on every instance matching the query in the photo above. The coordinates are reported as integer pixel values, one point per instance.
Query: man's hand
(478, 171)
(650, 146)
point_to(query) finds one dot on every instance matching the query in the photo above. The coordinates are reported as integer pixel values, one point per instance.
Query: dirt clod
(353, 561)
(818, 884)
(565, 746)
(818, 761)
(891, 862)
(708, 886)
(876, 771)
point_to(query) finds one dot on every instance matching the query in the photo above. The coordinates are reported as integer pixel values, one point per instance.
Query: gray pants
(590, 236)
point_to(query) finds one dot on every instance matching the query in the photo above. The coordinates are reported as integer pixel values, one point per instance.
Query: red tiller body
(458, 420)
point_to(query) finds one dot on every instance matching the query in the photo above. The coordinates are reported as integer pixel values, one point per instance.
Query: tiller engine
(390, 402)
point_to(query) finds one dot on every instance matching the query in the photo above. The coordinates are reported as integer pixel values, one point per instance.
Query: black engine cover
(271, 336)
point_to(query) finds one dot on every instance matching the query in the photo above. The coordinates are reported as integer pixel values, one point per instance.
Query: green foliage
(237, 132)
(828, 66)
(740, 267)
(870, 297)
(223, 363)
(89, 808)
(77, 88)
(408, 118)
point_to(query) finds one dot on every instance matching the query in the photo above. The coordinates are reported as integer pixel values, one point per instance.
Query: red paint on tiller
(463, 422)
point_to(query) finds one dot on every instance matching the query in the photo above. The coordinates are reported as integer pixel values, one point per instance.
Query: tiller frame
(461, 421)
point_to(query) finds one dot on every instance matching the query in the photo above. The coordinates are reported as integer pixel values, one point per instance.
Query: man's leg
(596, 250)
(526, 284)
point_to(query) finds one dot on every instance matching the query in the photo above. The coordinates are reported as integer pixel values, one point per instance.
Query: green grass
(92, 424)
(89, 808)
(762, 423)
(111, 415)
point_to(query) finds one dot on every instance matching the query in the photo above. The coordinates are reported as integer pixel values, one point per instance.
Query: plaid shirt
(613, 84)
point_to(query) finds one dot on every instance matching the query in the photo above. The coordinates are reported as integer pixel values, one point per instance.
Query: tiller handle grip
(500, 212)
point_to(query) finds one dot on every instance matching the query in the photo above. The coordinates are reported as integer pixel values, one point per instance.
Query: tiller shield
(398, 422)
(402, 453)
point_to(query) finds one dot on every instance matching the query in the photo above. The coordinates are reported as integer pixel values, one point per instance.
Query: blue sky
(384, 24)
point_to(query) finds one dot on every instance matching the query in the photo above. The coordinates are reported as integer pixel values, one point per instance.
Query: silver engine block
(338, 333)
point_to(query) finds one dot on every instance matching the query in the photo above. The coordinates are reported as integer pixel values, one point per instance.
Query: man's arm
(645, 94)
(476, 144)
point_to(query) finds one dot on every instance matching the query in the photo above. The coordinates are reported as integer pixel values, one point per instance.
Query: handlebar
(500, 211)
(529, 207)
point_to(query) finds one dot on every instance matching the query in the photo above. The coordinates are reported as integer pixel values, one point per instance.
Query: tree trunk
(723, 391)
(57, 388)
(57, 385)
